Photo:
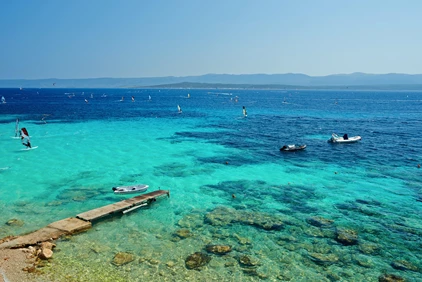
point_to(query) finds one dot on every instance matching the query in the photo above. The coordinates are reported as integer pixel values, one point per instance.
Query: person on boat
(245, 114)
(345, 137)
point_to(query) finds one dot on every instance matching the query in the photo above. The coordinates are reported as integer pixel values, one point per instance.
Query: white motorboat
(139, 188)
(345, 139)
(292, 148)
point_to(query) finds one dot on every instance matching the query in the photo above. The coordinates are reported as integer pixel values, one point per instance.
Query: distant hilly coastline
(190, 85)
(392, 81)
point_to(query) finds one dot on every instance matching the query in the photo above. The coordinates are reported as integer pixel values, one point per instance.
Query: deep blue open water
(333, 212)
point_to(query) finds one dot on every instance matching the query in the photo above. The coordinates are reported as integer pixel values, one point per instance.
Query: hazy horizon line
(269, 74)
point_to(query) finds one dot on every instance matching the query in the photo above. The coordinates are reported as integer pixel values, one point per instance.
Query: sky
(144, 38)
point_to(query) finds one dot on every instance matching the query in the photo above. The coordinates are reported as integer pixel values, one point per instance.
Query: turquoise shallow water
(289, 212)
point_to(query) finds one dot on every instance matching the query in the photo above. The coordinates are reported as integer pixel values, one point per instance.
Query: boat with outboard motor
(345, 139)
(292, 148)
(139, 188)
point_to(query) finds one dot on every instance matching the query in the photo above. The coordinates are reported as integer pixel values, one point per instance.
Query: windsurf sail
(149, 97)
(3, 100)
(179, 108)
(25, 137)
(17, 128)
(25, 133)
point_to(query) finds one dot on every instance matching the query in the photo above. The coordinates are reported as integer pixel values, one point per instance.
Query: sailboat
(3, 100)
(17, 131)
(179, 109)
(149, 98)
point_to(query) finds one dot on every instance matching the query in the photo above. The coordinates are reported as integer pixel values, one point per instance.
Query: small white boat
(139, 188)
(345, 139)
(292, 148)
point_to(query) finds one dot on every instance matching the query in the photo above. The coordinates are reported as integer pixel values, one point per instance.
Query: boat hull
(342, 140)
(292, 148)
(130, 189)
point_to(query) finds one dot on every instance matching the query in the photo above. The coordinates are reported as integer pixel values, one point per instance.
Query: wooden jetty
(82, 222)
(122, 206)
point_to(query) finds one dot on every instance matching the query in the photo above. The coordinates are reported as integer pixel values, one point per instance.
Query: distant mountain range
(273, 81)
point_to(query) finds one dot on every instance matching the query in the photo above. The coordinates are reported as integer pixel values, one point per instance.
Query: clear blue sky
(140, 38)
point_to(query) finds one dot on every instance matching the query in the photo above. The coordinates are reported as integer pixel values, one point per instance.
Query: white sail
(3, 100)
(17, 128)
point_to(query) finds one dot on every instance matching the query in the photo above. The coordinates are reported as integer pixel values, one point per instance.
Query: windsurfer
(244, 112)
(25, 136)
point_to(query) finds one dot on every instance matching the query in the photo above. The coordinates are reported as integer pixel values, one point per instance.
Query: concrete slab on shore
(53, 231)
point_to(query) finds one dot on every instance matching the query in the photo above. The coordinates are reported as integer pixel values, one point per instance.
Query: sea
(239, 208)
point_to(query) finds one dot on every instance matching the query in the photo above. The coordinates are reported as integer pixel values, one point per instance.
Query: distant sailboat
(245, 114)
(3, 100)
(123, 98)
(179, 109)
(188, 95)
(20, 88)
(17, 131)
(92, 96)
(133, 99)
(149, 98)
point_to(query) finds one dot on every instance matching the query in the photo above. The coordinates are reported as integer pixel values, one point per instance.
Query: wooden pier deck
(82, 222)
(121, 206)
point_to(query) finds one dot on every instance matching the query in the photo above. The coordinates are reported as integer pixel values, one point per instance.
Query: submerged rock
(197, 260)
(247, 261)
(390, 278)
(323, 259)
(15, 222)
(222, 216)
(219, 249)
(319, 221)
(404, 265)
(346, 236)
(370, 249)
(183, 233)
(242, 240)
(122, 258)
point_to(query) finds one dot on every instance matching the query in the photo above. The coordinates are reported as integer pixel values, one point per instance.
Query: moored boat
(292, 148)
(139, 188)
(345, 139)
